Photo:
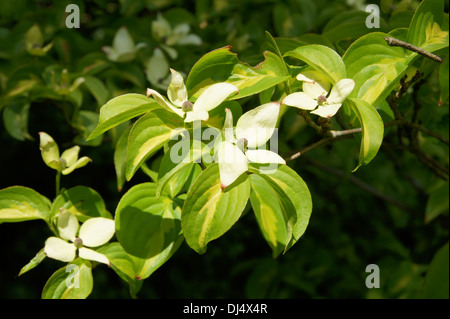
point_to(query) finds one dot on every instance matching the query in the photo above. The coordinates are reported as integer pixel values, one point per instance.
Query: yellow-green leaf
(148, 135)
(209, 211)
(18, 203)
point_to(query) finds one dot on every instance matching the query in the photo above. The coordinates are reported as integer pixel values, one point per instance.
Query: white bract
(157, 70)
(253, 130)
(68, 161)
(123, 47)
(315, 96)
(93, 233)
(178, 101)
(179, 35)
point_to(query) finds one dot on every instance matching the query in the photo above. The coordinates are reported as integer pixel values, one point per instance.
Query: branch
(399, 43)
(340, 135)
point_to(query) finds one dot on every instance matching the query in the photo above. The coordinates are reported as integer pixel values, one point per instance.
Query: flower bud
(321, 99)
(242, 144)
(187, 106)
(78, 242)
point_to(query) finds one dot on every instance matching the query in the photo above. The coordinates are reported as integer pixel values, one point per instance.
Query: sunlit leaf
(209, 211)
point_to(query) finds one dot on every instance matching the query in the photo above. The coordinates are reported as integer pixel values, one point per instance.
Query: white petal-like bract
(258, 124)
(327, 111)
(90, 254)
(67, 225)
(96, 231)
(300, 100)
(232, 163)
(214, 95)
(57, 248)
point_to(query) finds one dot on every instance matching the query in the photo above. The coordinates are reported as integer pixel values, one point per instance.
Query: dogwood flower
(179, 35)
(253, 130)
(123, 47)
(67, 162)
(157, 70)
(93, 233)
(178, 102)
(315, 95)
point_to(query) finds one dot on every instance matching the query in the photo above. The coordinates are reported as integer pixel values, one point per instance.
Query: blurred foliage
(55, 79)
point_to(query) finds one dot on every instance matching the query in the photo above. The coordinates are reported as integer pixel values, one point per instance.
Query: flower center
(63, 163)
(242, 144)
(187, 106)
(321, 100)
(78, 242)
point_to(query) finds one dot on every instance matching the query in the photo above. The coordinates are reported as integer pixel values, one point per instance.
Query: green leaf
(222, 65)
(273, 46)
(121, 109)
(15, 119)
(427, 29)
(322, 59)
(120, 158)
(375, 67)
(443, 80)
(148, 228)
(74, 281)
(40, 256)
(438, 202)
(148, 135)
(347, 26)
(274, 213)
(97, 89)
(82, 201)
(372, 129)
(436, 280)
(173, 163)
(297, 191)
(85, 122)
(209, 212)
(123, 265)
(18, 203)
(217, 114)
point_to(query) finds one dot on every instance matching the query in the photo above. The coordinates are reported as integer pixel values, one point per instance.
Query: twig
(324, 141)
(309, 121)
(399, 43)
(339, 135)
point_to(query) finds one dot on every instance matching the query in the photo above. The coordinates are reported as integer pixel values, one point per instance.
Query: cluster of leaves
(188, 200)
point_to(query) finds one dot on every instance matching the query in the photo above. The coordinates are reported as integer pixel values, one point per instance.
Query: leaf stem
(58, 182)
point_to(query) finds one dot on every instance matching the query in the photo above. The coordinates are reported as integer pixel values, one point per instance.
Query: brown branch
(324, 141)
(339, 135)
(309, 121)
(399, 43)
